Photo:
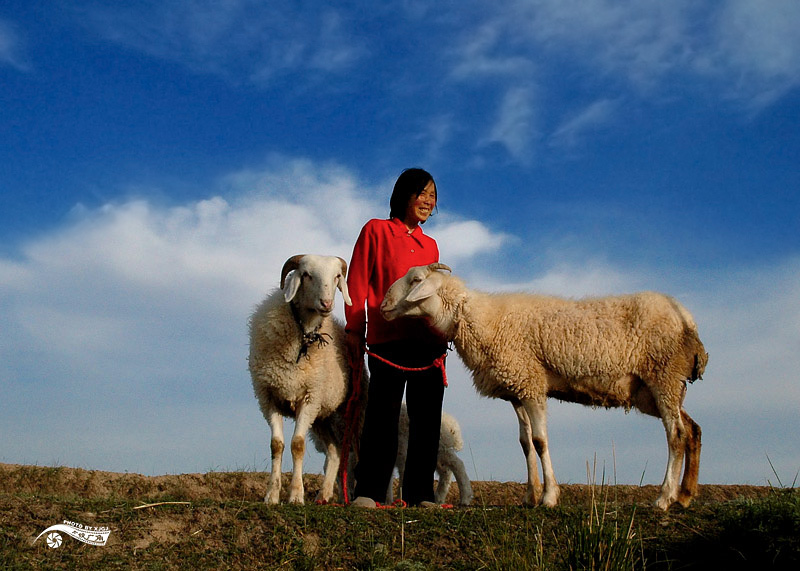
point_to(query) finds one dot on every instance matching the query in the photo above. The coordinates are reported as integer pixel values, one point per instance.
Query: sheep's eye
(306, 275)
(416, 280)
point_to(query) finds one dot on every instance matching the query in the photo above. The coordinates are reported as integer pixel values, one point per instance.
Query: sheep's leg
(443, 485)
(533, 491)
(537, 413)
(462, 479)
(275, 421)
(689, 484)
(331, 470)
(305, 416)
(676, 442)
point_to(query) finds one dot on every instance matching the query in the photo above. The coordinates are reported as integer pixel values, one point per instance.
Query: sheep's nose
(326, 304)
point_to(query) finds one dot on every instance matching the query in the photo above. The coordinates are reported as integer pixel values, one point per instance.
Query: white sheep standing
(633, 351)
(299, 368)
(447, 462)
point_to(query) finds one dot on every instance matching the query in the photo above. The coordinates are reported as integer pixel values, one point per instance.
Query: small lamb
(634, 351)
(447, 462)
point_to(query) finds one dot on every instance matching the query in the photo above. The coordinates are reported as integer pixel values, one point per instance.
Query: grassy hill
(218, 520)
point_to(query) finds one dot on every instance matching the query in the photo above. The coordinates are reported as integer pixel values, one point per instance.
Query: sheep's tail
(695, 351)
(700, 359)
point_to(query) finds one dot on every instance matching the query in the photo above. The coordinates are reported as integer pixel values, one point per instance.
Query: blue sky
(161, 160)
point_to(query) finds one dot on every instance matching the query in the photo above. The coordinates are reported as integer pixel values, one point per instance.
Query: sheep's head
(312, 282)
(413, 294)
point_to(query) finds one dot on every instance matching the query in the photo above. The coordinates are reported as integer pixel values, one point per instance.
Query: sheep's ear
(341, 283)
(423, 290)
(291, 287)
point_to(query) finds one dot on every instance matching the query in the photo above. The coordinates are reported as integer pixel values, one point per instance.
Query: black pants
(424, 394)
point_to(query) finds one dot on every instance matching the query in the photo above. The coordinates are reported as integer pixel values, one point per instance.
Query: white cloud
(130, 320)
(463, 239)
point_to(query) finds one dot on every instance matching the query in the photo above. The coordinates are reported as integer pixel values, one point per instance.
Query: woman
(384, 252)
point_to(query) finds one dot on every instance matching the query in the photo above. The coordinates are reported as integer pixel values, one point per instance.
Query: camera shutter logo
(87, 534)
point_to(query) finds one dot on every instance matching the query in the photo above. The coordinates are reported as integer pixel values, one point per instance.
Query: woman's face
(420, 207)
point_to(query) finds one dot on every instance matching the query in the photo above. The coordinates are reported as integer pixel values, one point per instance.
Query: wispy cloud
(747, 51)
(240, 39)
(514, 127)
(482, 54)
(570, 133)
(12, 50)
(640, 40)
(757, 49)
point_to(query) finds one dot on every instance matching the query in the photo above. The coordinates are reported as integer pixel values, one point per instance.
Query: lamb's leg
(402, 454)
(464, 484)
(275, 421)
(390, 492)
(533, 491)
(537, 412)
(689, 484)
(443, 485)
(401, 472)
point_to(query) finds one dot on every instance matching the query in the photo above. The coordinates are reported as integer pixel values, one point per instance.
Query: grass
(600, 529)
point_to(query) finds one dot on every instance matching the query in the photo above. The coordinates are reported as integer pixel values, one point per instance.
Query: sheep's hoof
(532, 496)
(294, 499)
(550, 498)
(271, 499)
(663, 503)
(684, 499)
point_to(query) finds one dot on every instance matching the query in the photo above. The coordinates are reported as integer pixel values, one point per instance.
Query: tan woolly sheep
(634, 351)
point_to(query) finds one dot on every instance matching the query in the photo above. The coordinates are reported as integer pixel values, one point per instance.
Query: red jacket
(383, 253)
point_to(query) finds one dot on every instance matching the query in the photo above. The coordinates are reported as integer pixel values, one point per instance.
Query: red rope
(351, 412)
(438, 362)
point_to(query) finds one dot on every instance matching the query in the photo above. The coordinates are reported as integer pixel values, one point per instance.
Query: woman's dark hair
(411, 182)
